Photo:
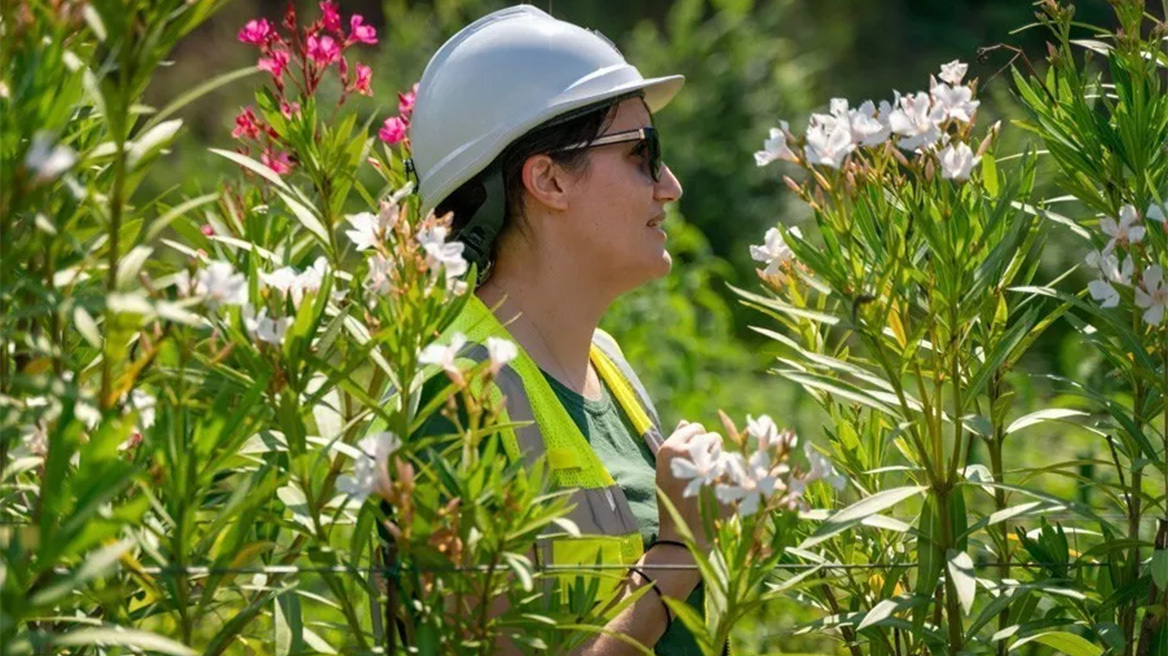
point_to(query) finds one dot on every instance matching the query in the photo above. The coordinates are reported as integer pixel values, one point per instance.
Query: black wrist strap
(660, 596)
(674, 543)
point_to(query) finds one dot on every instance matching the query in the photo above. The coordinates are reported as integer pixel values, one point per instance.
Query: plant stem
(846, 631)
(998, 473)
(952, 607)
(1128, 614)
(117, 203)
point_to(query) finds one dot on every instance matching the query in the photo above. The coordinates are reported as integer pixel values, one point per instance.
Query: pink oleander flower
(361, 84)
(394, 130)
(257, 32)
(277, 161)
(275, 64)
(246, 125)
(330, 17)
(289, 109)
(359, 32)
(405, 101)
(207, 229)
(323, 50)
(290, 18)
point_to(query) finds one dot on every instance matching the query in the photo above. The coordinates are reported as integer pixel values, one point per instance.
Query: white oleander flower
(378, 280)
(370, 471)
(957, 161)
(369, 229)
(955, 101)
(221, 285)
(444, 356)
(867, 129)
(501, 351)
(1152, 295)
(439, 252)
(265, 328)
(953, 72)
(703, 466)
(916, 121)
(822, 469)
(767, 433)
(774, 252)
(775, 147)
(1124, 232)
(751, 481)
(1111, 273)
(829, 140)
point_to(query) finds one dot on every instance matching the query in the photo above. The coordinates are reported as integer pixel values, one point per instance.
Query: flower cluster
(294, 284)
(217, 283)
(314, 49)
(398, 246)
(761, 475)
(301, 57)
(1125, 237)
(395, 128)
(933, 124)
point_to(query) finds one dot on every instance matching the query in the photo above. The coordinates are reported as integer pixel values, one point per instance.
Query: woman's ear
(546, 182)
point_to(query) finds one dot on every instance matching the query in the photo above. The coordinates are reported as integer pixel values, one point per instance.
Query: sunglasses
(647, 142)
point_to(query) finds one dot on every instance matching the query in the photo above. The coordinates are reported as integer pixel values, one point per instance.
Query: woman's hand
(677, 446)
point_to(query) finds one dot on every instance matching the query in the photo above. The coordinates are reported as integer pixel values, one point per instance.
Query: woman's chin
(661, 266)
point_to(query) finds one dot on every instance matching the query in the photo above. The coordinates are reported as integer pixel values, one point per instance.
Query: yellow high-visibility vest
(609, 534)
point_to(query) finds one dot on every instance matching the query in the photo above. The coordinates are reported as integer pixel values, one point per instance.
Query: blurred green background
(748, 65)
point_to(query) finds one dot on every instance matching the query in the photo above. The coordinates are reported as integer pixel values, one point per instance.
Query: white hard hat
(503, 75)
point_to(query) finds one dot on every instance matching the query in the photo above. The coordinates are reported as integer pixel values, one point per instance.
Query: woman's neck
(552, 315)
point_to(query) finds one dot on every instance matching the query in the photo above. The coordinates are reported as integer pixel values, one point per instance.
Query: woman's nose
(668, 187)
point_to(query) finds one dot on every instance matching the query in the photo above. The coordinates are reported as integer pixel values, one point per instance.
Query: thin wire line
(171, 570)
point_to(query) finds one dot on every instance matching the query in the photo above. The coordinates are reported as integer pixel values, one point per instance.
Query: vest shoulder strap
(627, 388)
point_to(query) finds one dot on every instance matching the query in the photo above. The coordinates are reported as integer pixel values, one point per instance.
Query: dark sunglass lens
(654, 155)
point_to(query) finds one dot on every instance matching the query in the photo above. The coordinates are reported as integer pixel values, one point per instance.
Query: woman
(538, 137)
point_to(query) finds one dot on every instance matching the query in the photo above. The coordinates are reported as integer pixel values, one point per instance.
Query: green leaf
(123, 637)
(249, 163)
(1049, 414)
(961, 571)
(521, 566)
(929, 554)
(160, 224)
(860, 510)
(130, 265)
(198, 92)
(1065, 643)
(839, 388)
(1160, 568)
(883, 610)
(95, 565)
(989, 174)
(306, 217)
(152, 140)
(288, 625)
(85, 325)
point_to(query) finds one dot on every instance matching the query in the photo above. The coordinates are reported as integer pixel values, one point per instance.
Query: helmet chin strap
(479, 234)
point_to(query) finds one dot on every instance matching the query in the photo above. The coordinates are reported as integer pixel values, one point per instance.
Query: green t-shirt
(630, 463)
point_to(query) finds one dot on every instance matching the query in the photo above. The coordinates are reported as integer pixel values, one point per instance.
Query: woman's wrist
(672, 568)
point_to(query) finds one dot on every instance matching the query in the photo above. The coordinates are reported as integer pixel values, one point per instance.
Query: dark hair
(582, 126)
